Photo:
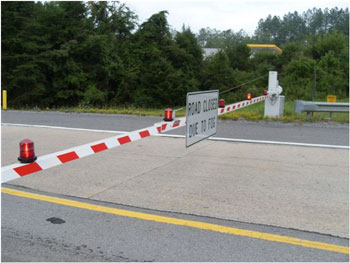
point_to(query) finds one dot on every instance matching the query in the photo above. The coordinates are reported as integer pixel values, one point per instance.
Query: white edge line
(262, 142)
(183, 136)
(58, 127)
(280, 143)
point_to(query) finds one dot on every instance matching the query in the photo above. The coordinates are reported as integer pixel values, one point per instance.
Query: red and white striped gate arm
(18, 170)
(241, 104)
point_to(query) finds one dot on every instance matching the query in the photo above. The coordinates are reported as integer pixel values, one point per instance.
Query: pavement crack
(171, 159)
(134, 177)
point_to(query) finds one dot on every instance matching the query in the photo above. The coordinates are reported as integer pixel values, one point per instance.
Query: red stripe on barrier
(144, 134)
(239, 105)
(233, 107)
(242, 104)
(222, 110)
(67, 157)
(164, 126)
(99, 147)
(176, 123)
(124, 140)
(159, 129)
(228, 108)
(28, 169)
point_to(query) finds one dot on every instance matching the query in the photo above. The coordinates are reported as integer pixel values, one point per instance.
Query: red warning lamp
(249, 96)
(26, 151)
(221, 103)
(168, 115)
(265, 92)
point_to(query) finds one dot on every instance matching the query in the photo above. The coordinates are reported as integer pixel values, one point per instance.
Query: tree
(217, 73)
(70, 53)
(297, 80)
(269, 30)
(238, 55)
(187, 41)
(334, 41)
(293, 28)
(21, 69)
(332, 78)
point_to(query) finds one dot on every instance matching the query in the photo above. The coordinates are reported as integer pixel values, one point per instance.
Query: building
(264, 47)
(208, 52)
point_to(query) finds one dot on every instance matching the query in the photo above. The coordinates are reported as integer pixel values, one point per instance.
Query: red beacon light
(221, 103)
(249, 96)
(265, 92)
(26, 151)
(168, 115)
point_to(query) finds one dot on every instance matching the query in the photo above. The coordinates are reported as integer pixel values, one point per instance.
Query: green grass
(111, 110)
(254, 112)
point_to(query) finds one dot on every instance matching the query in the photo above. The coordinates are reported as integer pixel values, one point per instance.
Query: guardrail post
(274, 104)
(308, 116)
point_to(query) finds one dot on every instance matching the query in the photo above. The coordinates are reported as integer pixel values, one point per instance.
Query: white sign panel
(201, 115)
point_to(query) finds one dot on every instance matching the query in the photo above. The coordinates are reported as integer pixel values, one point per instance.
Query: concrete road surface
(293, 191)
(297, 187)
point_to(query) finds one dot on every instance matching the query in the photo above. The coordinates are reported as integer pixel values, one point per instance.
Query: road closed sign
(201, 115)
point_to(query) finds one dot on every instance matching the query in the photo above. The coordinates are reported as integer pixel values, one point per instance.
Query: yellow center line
(182, 222)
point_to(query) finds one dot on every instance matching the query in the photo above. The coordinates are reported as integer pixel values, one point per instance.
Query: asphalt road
(83, 235)
(325, 133)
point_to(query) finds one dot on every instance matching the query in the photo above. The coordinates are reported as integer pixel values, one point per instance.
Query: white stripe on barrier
(17, 170)
(49, 163)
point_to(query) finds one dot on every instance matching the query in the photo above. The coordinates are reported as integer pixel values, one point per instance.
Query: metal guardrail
(312, 106)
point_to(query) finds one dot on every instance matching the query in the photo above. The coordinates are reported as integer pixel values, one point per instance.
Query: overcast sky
(224, 14)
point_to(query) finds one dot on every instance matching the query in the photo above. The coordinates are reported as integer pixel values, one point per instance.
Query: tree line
(95, 53)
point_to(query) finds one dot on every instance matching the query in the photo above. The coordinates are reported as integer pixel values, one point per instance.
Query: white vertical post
(274, 104)
(273, 82)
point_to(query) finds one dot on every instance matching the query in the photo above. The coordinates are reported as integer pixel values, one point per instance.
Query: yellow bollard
(4, 99)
